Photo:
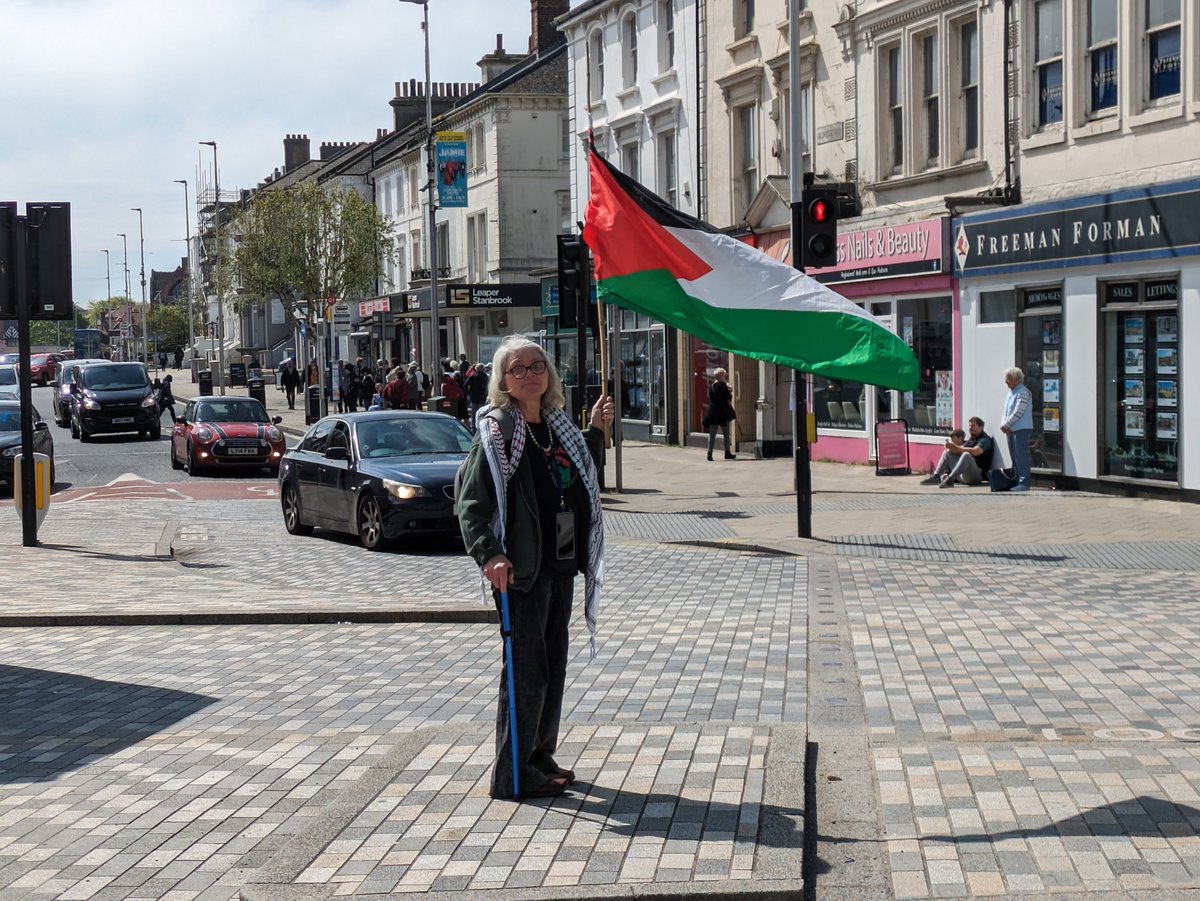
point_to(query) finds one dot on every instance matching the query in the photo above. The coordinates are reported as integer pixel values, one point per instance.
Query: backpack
(507, 427)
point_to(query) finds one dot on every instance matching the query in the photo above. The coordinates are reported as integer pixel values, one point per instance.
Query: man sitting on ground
(964, 461)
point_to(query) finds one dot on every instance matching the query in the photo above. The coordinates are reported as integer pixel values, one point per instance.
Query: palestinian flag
(654, 259)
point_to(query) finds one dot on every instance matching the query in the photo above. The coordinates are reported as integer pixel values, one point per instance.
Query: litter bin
(439, 404)
(257, 389)
(204, 380)
(312, 404)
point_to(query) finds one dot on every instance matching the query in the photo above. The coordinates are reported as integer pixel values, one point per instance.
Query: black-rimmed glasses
(520, 372)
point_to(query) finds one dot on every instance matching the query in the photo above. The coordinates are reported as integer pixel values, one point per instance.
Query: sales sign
(452, 169)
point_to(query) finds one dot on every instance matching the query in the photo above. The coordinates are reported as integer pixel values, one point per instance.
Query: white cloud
(105, 100)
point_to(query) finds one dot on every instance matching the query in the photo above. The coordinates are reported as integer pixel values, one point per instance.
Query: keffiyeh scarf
(503, 466)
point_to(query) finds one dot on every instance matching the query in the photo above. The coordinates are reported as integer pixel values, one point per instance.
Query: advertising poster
(1050, 362)
(1168, 360)
(1135, 424)
(1050, 419)
(1167, 425)
(1135, 361)
(1050, 332)
(1133, 391)
(452, 169)
(945, 399)
(1168, 328)
(1135, 330)
(1168, 393)
(1050, 391)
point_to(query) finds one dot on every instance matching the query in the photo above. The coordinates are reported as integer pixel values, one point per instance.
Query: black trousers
(539, 618)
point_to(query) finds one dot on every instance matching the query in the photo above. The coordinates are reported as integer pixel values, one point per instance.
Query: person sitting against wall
(965, 460)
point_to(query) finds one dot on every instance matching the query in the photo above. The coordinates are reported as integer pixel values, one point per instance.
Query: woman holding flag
(529, 509)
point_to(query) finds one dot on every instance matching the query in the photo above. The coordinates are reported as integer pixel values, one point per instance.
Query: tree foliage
(306, 243)
(169, 323)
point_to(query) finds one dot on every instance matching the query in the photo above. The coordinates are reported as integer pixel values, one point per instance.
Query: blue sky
(105, 100)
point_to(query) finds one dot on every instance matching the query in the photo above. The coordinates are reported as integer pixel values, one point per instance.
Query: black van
(114, 397)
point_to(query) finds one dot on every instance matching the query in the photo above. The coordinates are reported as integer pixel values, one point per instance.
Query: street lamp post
(187, 222)
(128, 302)
(145, 317)
(430, 188)
(107, 274)
(217, 269)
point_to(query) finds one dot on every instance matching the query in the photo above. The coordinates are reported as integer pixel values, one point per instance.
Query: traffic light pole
(803, 453)
(24, 377)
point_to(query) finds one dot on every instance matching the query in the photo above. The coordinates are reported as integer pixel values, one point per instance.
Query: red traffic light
(819, 211)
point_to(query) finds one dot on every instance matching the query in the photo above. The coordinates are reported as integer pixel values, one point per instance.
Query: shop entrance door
(658, 382)
(878, 403)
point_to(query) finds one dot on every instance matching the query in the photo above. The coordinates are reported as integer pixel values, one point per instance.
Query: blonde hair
(719, 372)
(498, 395)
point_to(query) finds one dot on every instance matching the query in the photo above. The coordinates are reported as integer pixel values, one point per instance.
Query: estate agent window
(1141, 379)
(1040, 356)
(1047, 40)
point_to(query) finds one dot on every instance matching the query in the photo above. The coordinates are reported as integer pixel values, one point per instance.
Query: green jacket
(523, 530)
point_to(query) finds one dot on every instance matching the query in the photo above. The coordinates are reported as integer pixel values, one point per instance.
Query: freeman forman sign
(1154, 222)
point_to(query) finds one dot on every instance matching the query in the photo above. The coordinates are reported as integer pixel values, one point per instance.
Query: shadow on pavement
(100, 555)
(53, 722)
(1014, 556)
(1140, 817)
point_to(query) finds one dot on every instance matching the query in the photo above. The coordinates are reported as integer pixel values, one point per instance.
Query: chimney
(544, 33)
(498, 61)
(408, 106)
(295, 151)
(329, 149)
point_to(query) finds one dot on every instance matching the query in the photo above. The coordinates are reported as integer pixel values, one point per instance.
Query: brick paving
(1018, 704)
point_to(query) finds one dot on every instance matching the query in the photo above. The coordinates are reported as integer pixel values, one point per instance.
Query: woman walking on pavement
(720, 412)
(166, 398)
(529, 510)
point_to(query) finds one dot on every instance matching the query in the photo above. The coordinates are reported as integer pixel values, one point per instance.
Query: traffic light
(572, 278)
(49, 260)
(819, 208)
(8, 267)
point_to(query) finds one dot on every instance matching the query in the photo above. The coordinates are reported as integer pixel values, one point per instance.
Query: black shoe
(710, 456)
(731, 456)
(552, 788)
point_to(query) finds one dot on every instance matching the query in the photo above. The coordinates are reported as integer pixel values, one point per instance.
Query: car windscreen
(114, 377)
(8, 375)
(231, 411)
(410, 436)
(10, 418)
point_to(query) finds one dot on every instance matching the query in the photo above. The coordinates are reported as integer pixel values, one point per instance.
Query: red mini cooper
(226, 433)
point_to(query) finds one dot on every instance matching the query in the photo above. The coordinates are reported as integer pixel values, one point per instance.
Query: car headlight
(402, 491)
(10, 451)
(203, 434)
(150, 402)
(91, 403)
(273, 434)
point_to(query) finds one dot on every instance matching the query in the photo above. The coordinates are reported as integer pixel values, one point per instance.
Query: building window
(1048, 61)
(666, 32)
(414, 241)
(1141, 404)
(1163, 59)
(930, 101)
(968, 42)
(596, 65)
(668, 177)
(414, 190)
(566, 222)
(629, 38)
(1040, 356)
(630, 164)
(1102, 55)
(401, 264)
(744, 17)
(894, 127)
(477, 247)
(746, 119)
(566, 137)
(927, 325)
(997, 307)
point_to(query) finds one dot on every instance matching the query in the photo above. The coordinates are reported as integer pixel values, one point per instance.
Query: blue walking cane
(506, 632)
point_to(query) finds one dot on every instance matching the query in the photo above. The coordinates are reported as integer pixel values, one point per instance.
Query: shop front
(900, 273)
(1086, 296)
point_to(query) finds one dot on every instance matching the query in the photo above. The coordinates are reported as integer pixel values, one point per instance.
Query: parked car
(62, 401)
(114, 397)
(10, 438)
(8, 379)
(43, 368)
(377, 475)
(226, 433)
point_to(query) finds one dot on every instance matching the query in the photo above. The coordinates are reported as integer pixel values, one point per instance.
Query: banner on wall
(452, 169)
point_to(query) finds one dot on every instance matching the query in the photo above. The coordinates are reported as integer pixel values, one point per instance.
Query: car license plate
(122, 420)
(244, 451)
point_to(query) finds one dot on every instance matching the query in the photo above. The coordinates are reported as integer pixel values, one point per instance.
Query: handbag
(1002, 479)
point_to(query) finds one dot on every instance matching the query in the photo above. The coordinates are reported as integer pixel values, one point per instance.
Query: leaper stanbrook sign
(1153, 222)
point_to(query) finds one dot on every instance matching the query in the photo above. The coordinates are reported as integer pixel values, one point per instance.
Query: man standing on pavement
(289, 378)
(1018, 426)
(964, 461)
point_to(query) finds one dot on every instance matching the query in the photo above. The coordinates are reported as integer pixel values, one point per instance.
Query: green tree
(305, 243)
(168, 322)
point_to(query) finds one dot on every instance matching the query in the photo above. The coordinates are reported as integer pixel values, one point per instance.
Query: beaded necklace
(547, 449)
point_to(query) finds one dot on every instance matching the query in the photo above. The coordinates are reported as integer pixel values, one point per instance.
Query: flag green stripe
(835, 345)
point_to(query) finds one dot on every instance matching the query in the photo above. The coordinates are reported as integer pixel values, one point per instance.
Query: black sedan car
(10, 438)
(377, 475)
